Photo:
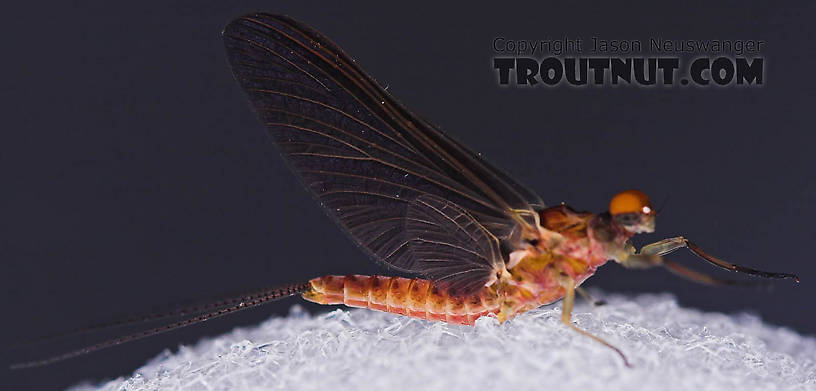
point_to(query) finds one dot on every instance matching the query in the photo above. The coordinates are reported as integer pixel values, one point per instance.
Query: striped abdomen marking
(417, 298)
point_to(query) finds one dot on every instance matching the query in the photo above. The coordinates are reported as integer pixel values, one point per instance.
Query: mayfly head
(632, 211)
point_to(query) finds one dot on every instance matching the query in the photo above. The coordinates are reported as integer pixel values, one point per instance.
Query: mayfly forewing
(369, 160)
(364, 155)
(450, 246)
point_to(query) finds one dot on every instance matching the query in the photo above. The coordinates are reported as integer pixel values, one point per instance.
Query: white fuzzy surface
(671, 348)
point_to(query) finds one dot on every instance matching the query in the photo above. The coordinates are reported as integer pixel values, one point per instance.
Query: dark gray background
(135, 174)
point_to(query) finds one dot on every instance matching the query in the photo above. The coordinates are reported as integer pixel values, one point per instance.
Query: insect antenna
(265, 297)
(663, 204)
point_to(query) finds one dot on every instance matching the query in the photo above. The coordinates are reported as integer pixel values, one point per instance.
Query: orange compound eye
(630, 201)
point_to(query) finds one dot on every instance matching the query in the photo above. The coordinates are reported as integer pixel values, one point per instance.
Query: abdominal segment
(417, 298)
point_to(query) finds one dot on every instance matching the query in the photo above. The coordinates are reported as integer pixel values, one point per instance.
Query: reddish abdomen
(417, 298)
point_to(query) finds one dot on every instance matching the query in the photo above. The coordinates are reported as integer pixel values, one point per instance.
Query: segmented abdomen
(412, 297)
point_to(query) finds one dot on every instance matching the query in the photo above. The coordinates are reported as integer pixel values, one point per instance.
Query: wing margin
(363, 155)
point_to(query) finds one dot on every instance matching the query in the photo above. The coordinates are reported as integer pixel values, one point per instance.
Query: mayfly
(472, 240)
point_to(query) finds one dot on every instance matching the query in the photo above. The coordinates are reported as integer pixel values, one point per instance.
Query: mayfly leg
(588, 297)
(667, 246)
(566, 315)
(645, 261)
(705, 279)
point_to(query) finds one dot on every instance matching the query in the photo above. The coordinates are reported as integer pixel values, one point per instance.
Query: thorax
(567, 244)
